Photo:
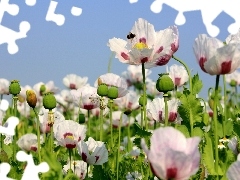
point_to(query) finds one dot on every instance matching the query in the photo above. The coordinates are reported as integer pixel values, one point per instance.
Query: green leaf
(99, 173)
(190, 107)
(196, 84)
(208, 156)
(8, 150)
(197, 131)
(228, 127)
(139, 134)
(183, 129)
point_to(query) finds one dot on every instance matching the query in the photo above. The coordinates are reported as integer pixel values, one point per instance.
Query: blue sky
(79, 46)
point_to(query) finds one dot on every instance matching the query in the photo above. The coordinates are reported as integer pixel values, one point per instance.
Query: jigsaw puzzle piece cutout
(30, 2)
(76, 11)
(9, 127)
(4, 170)
(12, 9)
(31, 170)
(11, 36)
(133, 1)
(232, 9)
(4, 104)
(59, 19)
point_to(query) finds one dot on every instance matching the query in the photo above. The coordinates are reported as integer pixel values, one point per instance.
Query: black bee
(131, 35)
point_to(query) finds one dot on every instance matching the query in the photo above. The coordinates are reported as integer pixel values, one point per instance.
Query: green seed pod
(140, 101)
(14, 87)
(112, 92)
(81, 118)
(164, 83)
(49, 101)
(31, 98)
(42, 89)
(102, 90)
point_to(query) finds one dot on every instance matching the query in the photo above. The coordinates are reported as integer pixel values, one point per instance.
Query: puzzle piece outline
(210, 10)
(31, 170)
(59, 19)
(9, 36)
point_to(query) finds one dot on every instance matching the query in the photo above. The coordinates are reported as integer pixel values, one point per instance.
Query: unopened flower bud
(14, 87)
(31, 98)
(102, 90)
(141, 101)
(42, 89)
(49, 101)
(164, 83)
(233, 83)
(112, 92)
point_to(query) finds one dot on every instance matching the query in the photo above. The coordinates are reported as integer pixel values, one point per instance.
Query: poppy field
(128, 126)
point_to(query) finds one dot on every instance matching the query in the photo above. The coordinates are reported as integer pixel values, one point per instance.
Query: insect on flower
(131, 36)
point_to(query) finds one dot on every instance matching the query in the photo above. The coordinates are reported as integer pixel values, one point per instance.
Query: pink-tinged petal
(160, 49)
(125, 56)
(172, 116)
(72, 86)
(144, 32)
(119, 47)
(166, 43)
(233, 172)
(163, 60)
(201, 63)
(226, 67)
(171, 159)
(140, 56)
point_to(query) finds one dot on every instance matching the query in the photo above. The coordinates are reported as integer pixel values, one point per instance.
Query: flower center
(140, 46)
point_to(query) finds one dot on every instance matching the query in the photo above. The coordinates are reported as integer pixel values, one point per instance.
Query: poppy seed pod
(113, 92)
(14, 87)
(164, 83)
(141, 101)
(31, 98)
(49, 101)
(102, 90)
(42, 89)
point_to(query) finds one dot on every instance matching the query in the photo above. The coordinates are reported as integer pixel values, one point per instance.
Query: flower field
(128, 126)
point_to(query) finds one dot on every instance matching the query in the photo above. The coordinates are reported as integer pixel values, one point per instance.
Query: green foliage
(99, 173)
(190, 107)
(196, 84)
(141, 133)
(197, 131)
(207, 155)
(183, 129)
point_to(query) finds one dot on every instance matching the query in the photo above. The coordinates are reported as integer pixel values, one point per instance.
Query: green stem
(14, 100)
(38, 135)
(70, 157)
(225, 105)
(129, 144)
(87, 171)
(119, 143)
(144, 97)
(142, 119)
(110, 62)
(191, 90)
(215, 123)
(165, 96)
(51, 122)
(188, 71)
(101, 124)
(111, 126)
(89, 124)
